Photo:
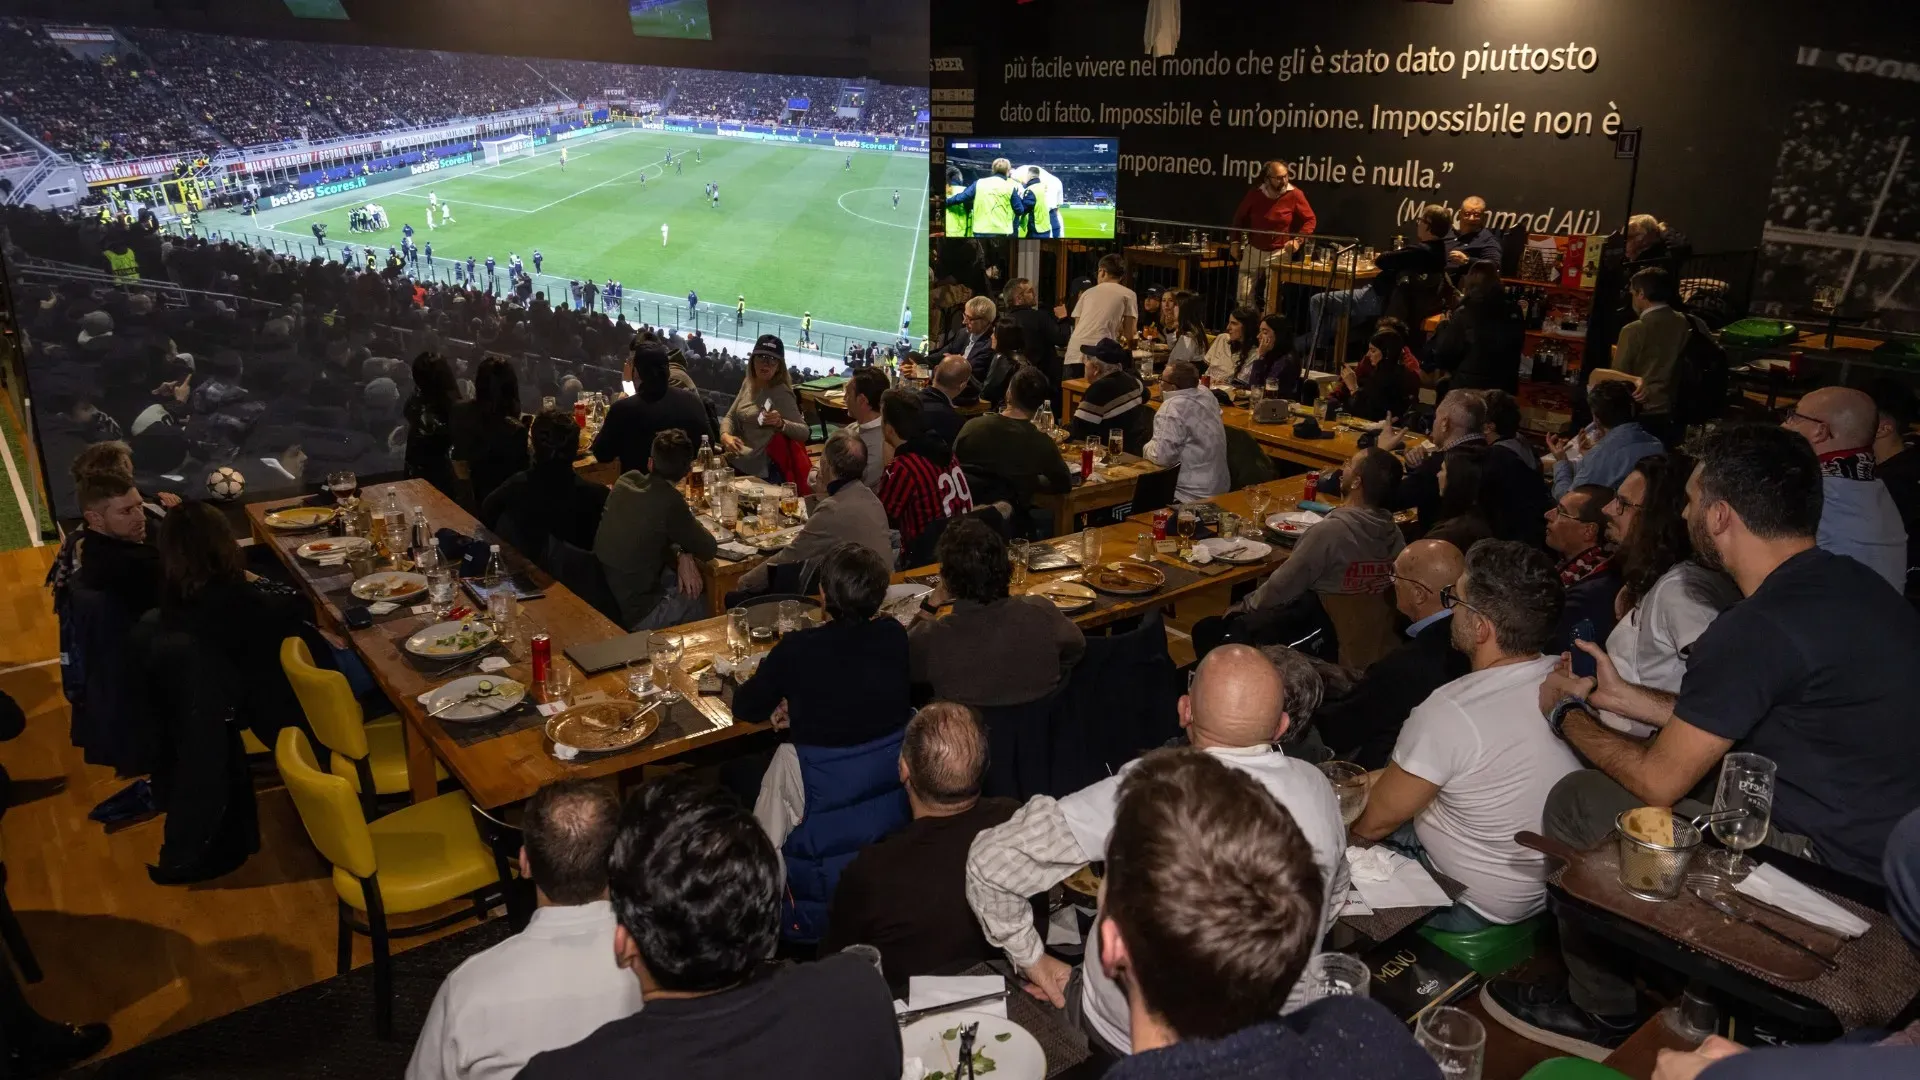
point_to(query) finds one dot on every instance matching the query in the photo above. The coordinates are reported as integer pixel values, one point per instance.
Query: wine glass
(739, 632)
(1258, 500)
(1349, 786)
(343, 484)
(1746, 783)
(664, 652)
(1454, 1040)
(1332, 974)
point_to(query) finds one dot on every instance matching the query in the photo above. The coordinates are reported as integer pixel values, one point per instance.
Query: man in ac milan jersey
(923, 485)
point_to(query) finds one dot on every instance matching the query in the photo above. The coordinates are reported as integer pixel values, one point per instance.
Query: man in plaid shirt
(923, 484)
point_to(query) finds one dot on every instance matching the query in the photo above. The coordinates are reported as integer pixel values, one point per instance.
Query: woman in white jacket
(1232, 350)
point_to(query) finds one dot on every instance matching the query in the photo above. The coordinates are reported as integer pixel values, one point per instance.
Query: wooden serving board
(1594, 878)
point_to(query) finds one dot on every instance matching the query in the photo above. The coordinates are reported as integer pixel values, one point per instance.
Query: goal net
(497, 150)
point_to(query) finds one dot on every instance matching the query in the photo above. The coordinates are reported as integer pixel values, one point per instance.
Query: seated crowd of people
(171, 91)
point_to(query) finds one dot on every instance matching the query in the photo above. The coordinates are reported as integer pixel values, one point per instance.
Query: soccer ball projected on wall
(226, 484)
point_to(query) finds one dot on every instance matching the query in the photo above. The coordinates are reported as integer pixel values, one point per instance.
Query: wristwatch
(1557, 719)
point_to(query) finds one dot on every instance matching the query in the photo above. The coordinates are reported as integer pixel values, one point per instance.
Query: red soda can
(1160, 519)
(542, 648)
(1312, 490)
(580, 414)
(1206, 381)
(1086, 463)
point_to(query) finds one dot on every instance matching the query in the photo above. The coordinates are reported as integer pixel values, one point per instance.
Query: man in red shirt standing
(923, 484)
(1272, 207)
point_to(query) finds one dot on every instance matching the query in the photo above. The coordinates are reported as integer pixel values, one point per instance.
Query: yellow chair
(371, 754)
(416, 858)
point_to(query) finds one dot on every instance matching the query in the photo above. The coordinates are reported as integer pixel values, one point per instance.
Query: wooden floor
(147, 959)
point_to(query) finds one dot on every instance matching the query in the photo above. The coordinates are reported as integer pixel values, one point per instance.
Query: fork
(967, 1035)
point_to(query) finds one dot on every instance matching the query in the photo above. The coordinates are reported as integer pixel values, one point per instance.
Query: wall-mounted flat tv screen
(1072, 182)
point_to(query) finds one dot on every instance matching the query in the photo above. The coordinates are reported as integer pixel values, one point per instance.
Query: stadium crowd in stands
(169, 91)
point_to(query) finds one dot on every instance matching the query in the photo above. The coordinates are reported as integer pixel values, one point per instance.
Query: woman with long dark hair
(1667, 598)
(490, 432)
(429, 413)
(1232, 349)
(1275, 363)
(1463, 519)
(1188, 339)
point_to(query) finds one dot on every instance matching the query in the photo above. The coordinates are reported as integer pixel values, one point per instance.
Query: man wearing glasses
(1577, 533)
(1362, 726)
(1473, 764)
(1858, 517)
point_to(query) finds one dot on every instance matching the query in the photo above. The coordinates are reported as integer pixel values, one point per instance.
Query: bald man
(1235, 711)
(952, 385)
(1362, 726)
(1471, 242)
(1858, 517)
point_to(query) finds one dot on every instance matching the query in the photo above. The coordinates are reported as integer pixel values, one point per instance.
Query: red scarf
(1584, 565)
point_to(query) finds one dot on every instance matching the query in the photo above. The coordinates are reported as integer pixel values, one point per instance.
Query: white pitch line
(465, 202)
(601, 184)
(27, 516)
(842, 204)
(913, 275)
(34, 664)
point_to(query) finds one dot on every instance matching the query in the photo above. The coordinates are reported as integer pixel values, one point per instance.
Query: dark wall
(1712, 82)
(884, 39)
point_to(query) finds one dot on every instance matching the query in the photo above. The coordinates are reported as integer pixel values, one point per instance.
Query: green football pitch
(682, 19)
(1083, 222)
(796, 229)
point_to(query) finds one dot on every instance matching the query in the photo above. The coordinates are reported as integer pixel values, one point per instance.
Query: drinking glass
(1273, 387)
(664, 652)
(1332, 974)
(1258, 500)
(1454, 1040)
(1017, 554)
(790, 500)
(790, 617)
(440, 585)
(1089, 547)
(343, 484)
(1185, 525)
(1116, 443)
(739, 632)
(639, 682)
(1826, 298)
(560, 685)
(500, 610)
(1746, 783)
(1349, 786)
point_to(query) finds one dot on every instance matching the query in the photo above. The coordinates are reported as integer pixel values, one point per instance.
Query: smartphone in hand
(1583, 664)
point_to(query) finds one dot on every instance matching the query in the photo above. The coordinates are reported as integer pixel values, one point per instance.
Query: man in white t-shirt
(1235, 711)
(1474, 762)
(1108, 310)
(555, 982)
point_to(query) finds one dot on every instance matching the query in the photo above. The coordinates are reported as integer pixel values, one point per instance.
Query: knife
(911, 1015)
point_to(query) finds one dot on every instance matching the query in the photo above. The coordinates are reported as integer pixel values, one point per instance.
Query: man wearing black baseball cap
(1115, 397)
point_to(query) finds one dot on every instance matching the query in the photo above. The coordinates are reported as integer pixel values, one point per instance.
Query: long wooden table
(510, 767)
(1110, 485)
(1277, 439)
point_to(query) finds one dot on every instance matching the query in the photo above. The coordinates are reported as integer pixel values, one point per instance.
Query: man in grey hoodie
(1352, 551)
(1858, 517)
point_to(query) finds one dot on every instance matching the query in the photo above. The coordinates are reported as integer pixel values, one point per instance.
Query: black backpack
(1701, 380)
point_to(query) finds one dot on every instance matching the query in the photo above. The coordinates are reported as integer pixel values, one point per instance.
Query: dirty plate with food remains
(390, 585)
(1125, 578)
(298, 518)
(475, 697)
(451, 640)
(1068, 596)
(605, 725)
(1001, 1048)
(333, 547)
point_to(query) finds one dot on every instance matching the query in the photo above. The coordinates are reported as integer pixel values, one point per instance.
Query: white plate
(1018, 1057)
(333, 547)
(1294, 522)
(1250, 551)
(299, 518)
(903, 601)
(507, 694)
(393, 586)
(423, 643)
